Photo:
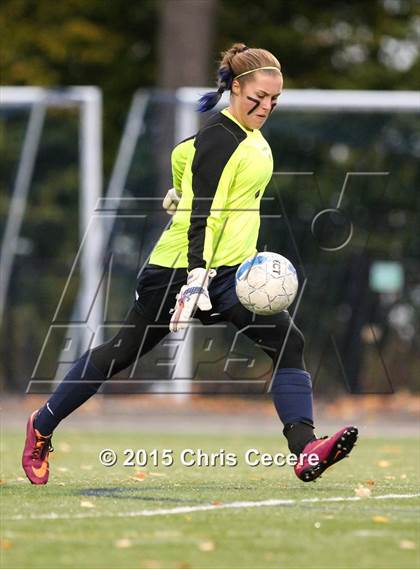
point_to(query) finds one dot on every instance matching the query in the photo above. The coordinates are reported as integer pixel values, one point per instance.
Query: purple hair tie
(225, 77)
(211, 98)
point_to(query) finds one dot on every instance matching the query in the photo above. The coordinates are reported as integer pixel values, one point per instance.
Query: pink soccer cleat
(35, 453)
(328, 450)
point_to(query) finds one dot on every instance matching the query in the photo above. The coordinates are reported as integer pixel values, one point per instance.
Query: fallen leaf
(380, 519)
(20, 479)
(407, 544)
(384, 463)
(317, 525)
(5, 544)
(206, 546)
(60, 484)
(157, 474)
(123, 543)
(403, 476)
(139, 476)
(2, 481)
(86, 504)
(389, 477)
(62, 469)
(362, 491)
(328, 517)
(370, 483)
(217, 503)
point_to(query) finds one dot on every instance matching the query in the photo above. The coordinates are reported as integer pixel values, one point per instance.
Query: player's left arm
(178, 163)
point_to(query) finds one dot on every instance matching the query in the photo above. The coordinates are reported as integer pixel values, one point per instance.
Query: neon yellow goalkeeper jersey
(221, 174)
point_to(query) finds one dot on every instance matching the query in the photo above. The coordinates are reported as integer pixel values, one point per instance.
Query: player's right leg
(146, 324)
(134, 339)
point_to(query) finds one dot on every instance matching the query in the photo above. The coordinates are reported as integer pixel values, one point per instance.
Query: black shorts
(158, 286)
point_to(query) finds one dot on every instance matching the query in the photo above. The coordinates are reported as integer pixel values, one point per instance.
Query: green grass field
(98, 517)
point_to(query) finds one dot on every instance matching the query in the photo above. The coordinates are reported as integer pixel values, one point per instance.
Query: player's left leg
(291, 389)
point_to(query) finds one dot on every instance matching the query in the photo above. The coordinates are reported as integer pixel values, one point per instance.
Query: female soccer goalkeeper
(219, 177)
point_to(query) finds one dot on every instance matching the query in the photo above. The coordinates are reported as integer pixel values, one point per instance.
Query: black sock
(298, 436)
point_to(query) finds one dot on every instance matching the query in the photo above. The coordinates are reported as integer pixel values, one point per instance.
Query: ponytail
(225, 76)
(211, 98)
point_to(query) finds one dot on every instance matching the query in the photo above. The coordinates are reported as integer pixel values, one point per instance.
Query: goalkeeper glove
(194, 294)
(171, 201)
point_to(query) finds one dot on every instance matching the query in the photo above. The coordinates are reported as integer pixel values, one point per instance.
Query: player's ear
(236, 87)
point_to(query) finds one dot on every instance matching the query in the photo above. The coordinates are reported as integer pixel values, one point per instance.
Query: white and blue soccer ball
(266, 283)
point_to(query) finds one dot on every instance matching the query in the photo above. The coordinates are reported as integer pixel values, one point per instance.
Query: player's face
(254, 101)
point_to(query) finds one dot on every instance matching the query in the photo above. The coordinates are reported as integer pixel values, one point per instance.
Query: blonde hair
(238, 62)
(241, 60)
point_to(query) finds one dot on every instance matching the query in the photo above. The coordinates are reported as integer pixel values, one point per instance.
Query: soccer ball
(266, 283)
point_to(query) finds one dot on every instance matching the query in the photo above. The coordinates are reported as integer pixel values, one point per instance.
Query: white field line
(204, 508)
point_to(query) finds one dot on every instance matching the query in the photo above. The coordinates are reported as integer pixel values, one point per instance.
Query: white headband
(257, 69)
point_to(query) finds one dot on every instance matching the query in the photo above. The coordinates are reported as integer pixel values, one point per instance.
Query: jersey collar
(232, 118)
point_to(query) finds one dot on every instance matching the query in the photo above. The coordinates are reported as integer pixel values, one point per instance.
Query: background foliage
(342, 45)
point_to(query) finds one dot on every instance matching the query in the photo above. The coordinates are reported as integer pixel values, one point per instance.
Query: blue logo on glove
(190, 291)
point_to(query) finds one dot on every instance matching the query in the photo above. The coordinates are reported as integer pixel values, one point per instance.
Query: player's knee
(293, 353)
(289, 346)
(298, 340)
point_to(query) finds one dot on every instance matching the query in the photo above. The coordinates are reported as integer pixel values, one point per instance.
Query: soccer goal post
(88, 101)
